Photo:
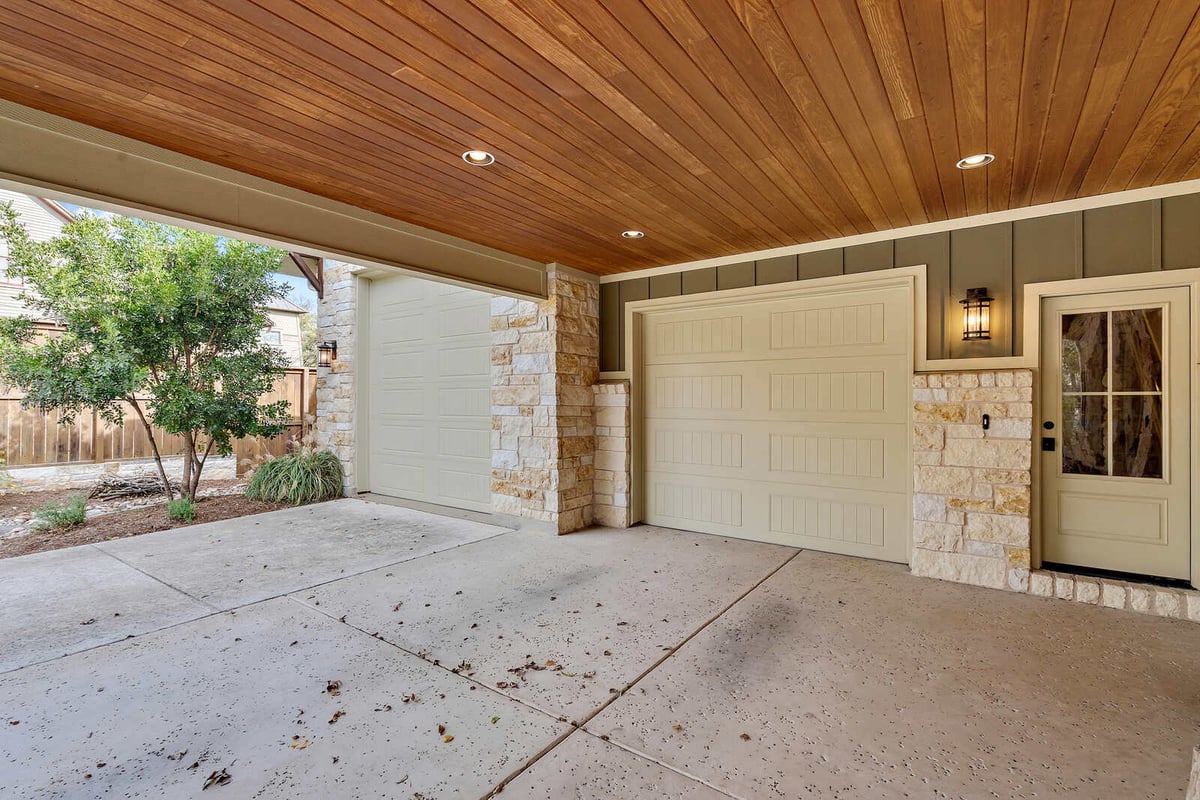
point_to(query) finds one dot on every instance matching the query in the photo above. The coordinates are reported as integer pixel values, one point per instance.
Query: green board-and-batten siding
(1135, 237)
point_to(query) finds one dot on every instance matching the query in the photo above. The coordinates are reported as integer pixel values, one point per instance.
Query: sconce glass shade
(326, 354)
(977, 315)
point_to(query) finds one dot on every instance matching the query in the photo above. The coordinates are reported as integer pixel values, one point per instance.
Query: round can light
(632, 234)
(976, 161)
(478, 158)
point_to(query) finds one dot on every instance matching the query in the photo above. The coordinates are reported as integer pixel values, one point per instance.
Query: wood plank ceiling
(717, 126)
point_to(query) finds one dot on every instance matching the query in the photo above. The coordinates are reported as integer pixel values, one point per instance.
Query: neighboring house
(44, 219)
(284, 330)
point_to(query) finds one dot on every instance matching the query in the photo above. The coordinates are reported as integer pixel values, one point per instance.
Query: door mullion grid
(1108, 400)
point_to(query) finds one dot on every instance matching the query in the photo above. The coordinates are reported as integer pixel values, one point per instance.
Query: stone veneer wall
(337, 319)
(83, 476)
(971, 501)
(612, 454)
(545, 359)
(971, 506)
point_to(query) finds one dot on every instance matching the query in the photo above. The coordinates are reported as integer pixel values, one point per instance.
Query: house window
(272, 337)
(5, 278)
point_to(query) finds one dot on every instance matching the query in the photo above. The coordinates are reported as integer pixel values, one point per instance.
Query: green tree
(308, 334)
(157, 321)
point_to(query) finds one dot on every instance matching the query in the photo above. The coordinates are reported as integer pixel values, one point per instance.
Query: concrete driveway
(607, 664)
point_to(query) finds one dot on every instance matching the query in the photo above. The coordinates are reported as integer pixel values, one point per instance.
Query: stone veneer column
(545, 359)
(337, 317)
(971, 506)
(612, 454)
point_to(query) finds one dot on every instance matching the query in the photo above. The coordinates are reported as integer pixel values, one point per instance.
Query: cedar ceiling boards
(717, 126)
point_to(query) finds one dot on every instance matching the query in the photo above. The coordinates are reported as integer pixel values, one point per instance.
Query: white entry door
(429, 371)
(783, 420)
(1116, 454)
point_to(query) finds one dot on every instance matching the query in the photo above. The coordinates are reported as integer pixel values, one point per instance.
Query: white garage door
(783, 420)
(429, 373)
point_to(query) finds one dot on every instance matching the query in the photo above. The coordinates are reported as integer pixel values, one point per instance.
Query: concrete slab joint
(545, 360)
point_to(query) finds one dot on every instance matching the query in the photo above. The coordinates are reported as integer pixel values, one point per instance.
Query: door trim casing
(1035, 293)
(910, 278)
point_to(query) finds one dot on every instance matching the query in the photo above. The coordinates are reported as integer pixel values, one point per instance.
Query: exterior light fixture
(326, 354)
(977, 315)
(479, 158)
(632, 234)
(976, 161)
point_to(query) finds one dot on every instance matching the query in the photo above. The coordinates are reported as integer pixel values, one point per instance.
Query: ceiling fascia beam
(50, 156)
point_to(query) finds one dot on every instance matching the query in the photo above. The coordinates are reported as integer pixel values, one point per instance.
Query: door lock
(1047, 444)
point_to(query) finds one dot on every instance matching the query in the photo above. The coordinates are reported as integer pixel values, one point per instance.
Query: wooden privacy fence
(31, 438)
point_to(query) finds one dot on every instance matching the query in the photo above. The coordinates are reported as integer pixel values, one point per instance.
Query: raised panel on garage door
(782, 420)
(430, 384)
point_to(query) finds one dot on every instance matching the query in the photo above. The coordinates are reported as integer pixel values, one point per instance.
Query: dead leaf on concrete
(447, 738)
(386, 707)
(299, 743)
(88, 621)
(745, 737)
(334, 688)
(217, 778)
(441, 729)
(177, 756)
(410, 698)
(336, 716)
(677, 727)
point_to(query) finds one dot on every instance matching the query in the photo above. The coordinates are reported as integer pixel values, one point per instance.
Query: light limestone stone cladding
(545, 360)
(971, 506)
(83, 476)
(337, 318)
(971, 501)
(1160, 601)
(611, 506)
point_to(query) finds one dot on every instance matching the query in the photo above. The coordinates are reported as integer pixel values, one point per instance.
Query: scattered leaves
(342, 618)
(410, 698)
(14, 722)
(177, 756)
(608, 652)
(591, 674)
(495, 720)
(336, 716)
(386, 707)
(88, 621)
(677, 727)
(194, 765)
(622, 623)
(507, 685)
(334, 688)
(299, 743)
(217, 778)
(396, 607)
(441, 729)
(745, 737)
(447, 738)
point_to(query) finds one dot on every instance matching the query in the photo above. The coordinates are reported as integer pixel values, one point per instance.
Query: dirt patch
(13, 504)
(122, 524)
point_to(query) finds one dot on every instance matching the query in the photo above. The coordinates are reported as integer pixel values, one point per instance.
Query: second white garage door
(429, 371)
(783, 420)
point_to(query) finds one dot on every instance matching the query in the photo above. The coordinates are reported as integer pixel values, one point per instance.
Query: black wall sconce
(977, 315)
(326, 354)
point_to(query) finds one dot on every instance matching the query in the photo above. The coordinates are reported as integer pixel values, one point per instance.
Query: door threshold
(1126, 577)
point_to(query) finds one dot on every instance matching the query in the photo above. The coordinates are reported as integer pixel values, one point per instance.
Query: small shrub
(60, 516)
(304, 476)
(181, 508)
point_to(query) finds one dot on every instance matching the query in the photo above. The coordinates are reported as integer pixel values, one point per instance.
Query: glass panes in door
(1112, 393)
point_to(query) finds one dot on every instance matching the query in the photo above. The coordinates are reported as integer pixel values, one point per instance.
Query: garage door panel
(866, 389)
(863, 456)
(820, 327)
(430, 393)
(783, 420)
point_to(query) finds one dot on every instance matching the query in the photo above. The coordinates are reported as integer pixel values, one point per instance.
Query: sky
(299, 292)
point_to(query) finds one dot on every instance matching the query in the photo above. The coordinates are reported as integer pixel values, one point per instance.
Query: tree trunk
(162, 472)
(189, 452)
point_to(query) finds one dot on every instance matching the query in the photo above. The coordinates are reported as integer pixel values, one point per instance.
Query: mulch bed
(120, 524)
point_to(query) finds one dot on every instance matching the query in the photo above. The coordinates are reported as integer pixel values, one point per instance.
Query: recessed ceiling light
(976, 161)
(479, 158)
(632, 234)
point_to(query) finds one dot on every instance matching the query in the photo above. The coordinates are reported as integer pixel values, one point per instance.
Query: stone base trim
(611, 502)
(1159, 601)
(83, 476)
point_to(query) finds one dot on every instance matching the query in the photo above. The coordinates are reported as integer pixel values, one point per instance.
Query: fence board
(31, 438)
